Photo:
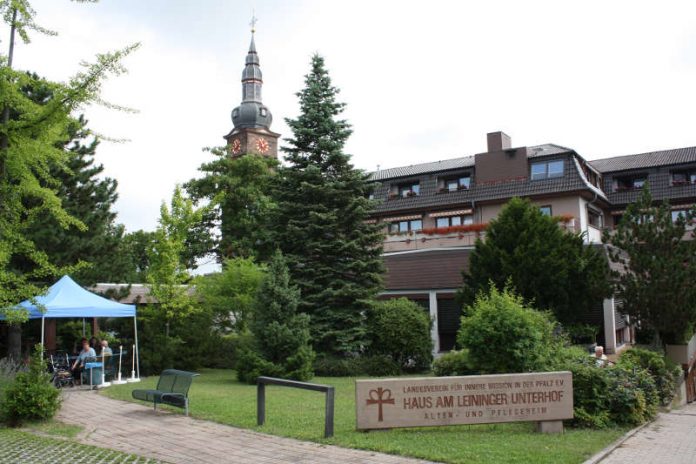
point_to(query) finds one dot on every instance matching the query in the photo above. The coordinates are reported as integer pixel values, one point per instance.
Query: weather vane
(253, 22)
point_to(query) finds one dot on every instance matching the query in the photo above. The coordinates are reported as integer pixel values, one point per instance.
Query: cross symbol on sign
(380, 396)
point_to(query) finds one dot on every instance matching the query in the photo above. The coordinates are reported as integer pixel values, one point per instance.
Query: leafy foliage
(281, 345)
(503, 335)
(400, 329)
(31, 396)
(237, 190)
(319, 223)
(230, 294)
(547, 266)
(665, 373)
(657, 288)
(455, 362)
(30, 146)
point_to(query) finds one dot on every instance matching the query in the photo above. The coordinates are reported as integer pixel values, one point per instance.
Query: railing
(327, 389)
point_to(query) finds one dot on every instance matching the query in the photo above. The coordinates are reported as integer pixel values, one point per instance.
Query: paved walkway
(671, 439)
(174, 438)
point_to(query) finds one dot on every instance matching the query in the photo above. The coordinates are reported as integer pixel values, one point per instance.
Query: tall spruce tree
(90, 198)
(547, 266)
(657, 253)
(319, 223)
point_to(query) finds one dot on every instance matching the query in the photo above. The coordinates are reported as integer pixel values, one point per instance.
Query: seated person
(105, 350)
(79, 364)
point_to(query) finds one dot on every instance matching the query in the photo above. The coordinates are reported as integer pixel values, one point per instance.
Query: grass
(216, 395)
(53, 428)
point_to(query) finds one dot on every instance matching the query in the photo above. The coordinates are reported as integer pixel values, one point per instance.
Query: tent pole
(43, 325)
(83, 327)
(137, 354)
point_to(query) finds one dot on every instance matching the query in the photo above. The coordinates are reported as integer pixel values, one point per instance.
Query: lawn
(216, 395)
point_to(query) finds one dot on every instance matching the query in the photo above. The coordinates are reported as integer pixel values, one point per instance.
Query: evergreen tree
(319, 223)
(237, 189)
(281, 345)
(658, 257)
(547, 266)
(89, 198)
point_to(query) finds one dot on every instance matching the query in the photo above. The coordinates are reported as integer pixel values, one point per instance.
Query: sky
(422, 81)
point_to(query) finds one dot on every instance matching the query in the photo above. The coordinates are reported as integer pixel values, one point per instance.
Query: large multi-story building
(433, 213)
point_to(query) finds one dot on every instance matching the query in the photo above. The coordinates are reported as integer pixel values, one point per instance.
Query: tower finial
(253, 22)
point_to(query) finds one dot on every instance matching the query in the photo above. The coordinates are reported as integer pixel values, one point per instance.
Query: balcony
(444, 237)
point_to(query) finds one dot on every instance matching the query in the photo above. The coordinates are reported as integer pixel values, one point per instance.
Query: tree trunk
(14, 341)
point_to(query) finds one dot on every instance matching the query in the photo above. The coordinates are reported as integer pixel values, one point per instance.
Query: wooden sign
(476, 399)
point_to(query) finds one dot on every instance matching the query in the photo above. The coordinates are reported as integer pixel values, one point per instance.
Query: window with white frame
(464, 220)
(409, 190)
(400, 227)
(547, 169)
(545, 210)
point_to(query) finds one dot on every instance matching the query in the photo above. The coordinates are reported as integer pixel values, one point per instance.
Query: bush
(400, 329)
(612, 395)
(330, 366)
(503, 335)
(379, 366)
(31, 396)
(453, 363)
(9, 368)
(664, 372)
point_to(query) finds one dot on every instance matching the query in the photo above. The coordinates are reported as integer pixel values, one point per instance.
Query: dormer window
(409, 190)
(628, 183)
(547, 170)
(453, 184)
(684, 177)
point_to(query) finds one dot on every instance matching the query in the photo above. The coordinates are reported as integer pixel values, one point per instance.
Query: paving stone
(671, 439)
(177, 439)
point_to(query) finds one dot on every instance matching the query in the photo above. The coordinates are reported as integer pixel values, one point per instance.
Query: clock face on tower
(262, 146)
(236, 146)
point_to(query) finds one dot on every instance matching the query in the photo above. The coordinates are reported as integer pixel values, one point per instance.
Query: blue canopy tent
(66, 299)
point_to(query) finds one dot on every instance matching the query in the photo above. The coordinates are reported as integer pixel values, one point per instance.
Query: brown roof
(128, 293)
(646, 160)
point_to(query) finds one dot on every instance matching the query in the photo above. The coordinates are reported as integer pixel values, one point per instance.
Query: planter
(682, 354)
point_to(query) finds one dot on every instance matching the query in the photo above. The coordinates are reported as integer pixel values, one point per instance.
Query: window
(683, 177)
(679, 213)
(545, 210)
(547, 170)
(409, 190)
(401, 227)
(465, 220)
(594, 218)
(628, 183)
(457, 183)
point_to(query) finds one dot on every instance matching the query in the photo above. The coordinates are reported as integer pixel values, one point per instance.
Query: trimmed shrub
(331, 366)
(453, 363)
(664, 372)
(31, 396)
(400, 329)
(503, 335)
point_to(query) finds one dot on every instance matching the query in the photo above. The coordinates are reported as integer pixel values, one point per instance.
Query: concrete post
(609, 326)
(434, 332)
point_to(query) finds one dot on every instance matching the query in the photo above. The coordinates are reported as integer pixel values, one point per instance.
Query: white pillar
(434, 332)
(43, 329)
(609, 326)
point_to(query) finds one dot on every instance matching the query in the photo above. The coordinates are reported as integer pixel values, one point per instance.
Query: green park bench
(172, 389)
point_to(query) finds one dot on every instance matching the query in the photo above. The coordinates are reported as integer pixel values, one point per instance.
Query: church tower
(252, 119)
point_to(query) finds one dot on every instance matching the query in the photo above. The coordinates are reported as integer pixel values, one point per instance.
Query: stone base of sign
(550, 426)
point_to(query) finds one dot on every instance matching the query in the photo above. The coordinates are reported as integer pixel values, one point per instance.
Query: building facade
(434, 212)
